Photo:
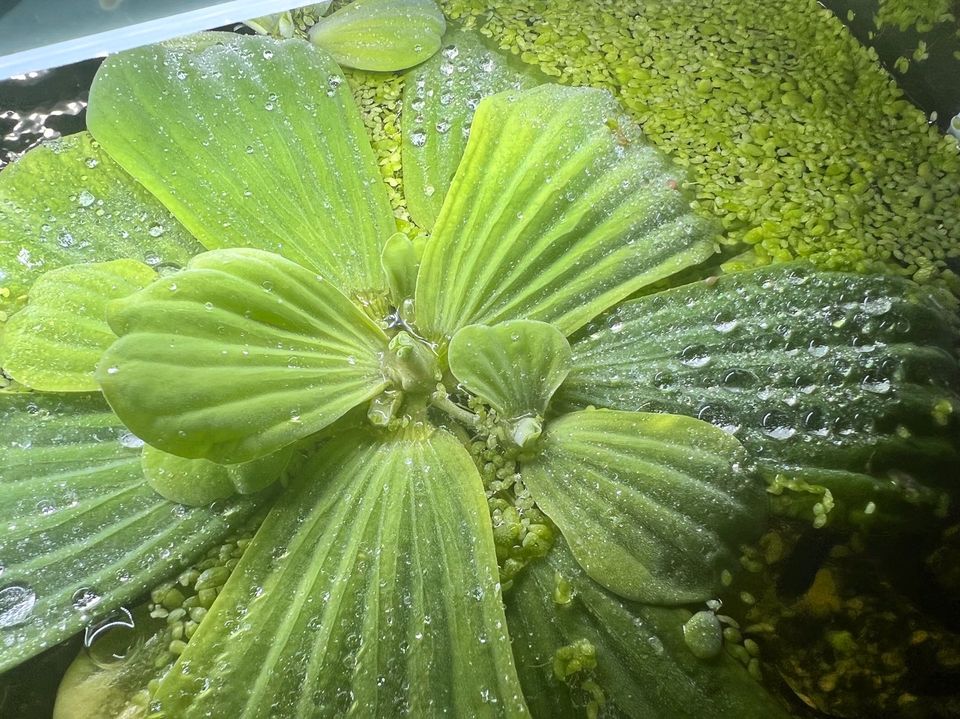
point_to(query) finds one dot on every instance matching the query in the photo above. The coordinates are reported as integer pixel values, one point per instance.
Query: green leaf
(654, 506)
(814, 372)
(515, 366)
(400, 263)
(381, 35)
(280, 162)
(198, 482)
(644, 667)
(55, 342)
(375, 579)
(66, 202)
(83, 532)
(242, 353)
(440, 97)
(558, 210)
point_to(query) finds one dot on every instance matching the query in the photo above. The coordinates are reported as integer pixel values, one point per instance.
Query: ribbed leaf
(375, 580)
(439, 99)
(251, 142)
(654, 506)
(66, 202)
(381, 35)
(553, 216)
(644, 667)
(813, 371)
(55, 342)
(82, 531)
(240, 354)
(515, 366)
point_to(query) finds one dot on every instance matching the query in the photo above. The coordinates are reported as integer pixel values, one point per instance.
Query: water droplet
(112, 370)
(875, 385)
(181, 75)
(333, 84)
(110, 640)
(738, 379)
(724, 324)
(446, 98)
(155, 230)
(16, 604)
(418, 138)
(443, 126)
(46, 507)
(208, 306)
(446, 68)
(85, 199)
(451, 52)
(268, 54)
(487, 64)
(249, 149)
(616, 327)
(817, 350)
(776, 426)
(91, 162)
(66, 240)
(85, 598)
(429, 190)
(130, 440)
(695, 356)
(267, 285)
(875, 306)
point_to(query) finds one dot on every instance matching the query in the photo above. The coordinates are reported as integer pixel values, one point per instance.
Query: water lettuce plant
(491, 469)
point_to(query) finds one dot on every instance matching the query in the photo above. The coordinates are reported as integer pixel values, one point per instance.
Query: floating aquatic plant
(495, 479)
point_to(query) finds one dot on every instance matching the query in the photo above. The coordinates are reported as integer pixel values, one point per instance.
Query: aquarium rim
(164, 28)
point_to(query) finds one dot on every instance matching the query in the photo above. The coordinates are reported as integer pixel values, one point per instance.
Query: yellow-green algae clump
(794, 136)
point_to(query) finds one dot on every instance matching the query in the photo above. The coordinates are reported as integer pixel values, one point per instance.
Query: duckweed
(796, 138)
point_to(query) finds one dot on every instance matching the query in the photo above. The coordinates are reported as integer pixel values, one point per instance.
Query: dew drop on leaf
(16, 604)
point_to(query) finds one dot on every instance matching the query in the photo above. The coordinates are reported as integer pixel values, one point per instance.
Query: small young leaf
(55, 342)
(516, 366)
(66, 202)
(654, 506)
(554, 216)
(440, 97)
(284, 166)
(240, 354)
(821, 375)
(400, 263)
(83, 532)
(198, 482)
(375, 579)
(381, 35)
(643, 666)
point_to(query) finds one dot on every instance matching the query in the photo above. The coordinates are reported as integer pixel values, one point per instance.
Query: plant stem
(455, 411)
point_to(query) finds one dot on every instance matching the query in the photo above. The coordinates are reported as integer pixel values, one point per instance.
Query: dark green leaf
(381, 35)
(644, 667)
(54, 343)
(66, 202)
(280, 161)
(242, 353)
(516, 366)
(554, 216)
(439, 99)
(375, 580)
(822, 376)
(654, 506)
(82, 531)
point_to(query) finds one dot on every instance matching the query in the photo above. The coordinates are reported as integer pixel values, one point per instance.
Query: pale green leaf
(242, 353)
(400, 263)
(375, 580)
(439, 99)
(554, 215)
(197, 482)
(644, 667)
(66, 202)
(381, 35)
(82, 531)
(280, 161)
(515, 366)
(55, 342)
(654, 506)
(813, 372)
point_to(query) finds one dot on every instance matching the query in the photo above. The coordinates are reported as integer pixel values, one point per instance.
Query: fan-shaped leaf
(282, 163)
(83, 532)
(440, 97)
(654, 506)
(814, 372)
(644, 668)
(55, 342)
(553, 216)
(237, 356)
(375, 578)
(516, 366)
(381, 35)
(66, 202)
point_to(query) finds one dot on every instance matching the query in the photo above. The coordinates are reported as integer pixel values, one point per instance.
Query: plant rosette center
(488, 464)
